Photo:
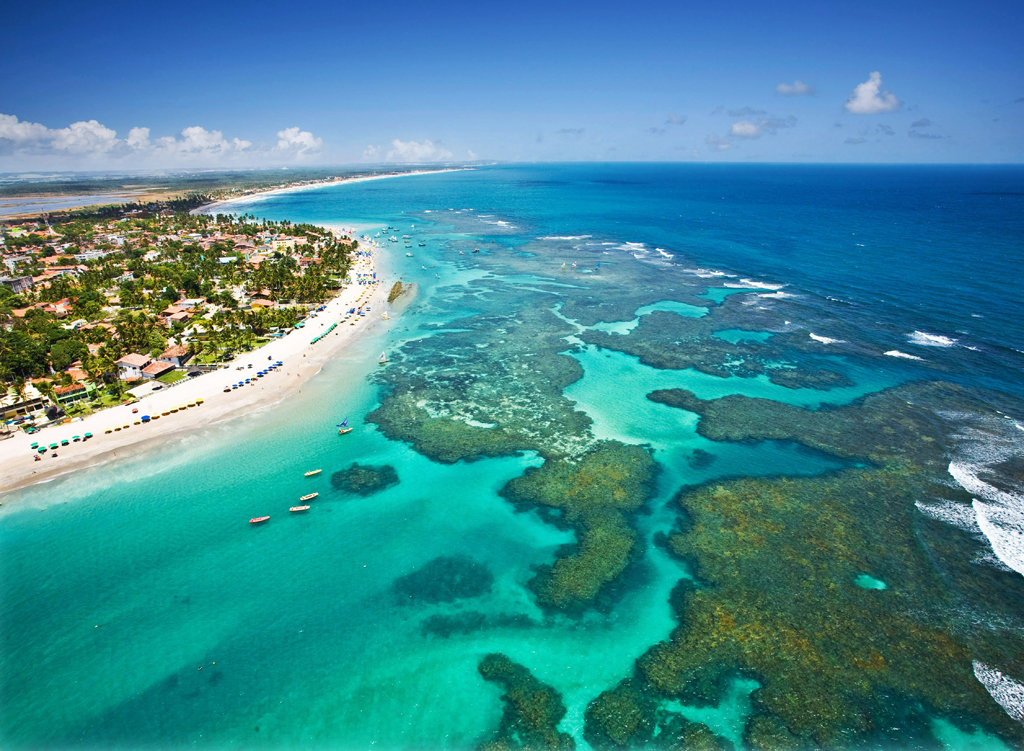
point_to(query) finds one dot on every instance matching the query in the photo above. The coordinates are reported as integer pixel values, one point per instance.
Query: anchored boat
(309, 497)
(293, 509)
(258, 519)
(313, 472)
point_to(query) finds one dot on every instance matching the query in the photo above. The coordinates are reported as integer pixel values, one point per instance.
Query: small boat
(313, 472)
(386, 317)
(383, 358)
(476, 250)
(343, 431)
(258, 519)
(293, 509)
(309, 496)
(409, 254)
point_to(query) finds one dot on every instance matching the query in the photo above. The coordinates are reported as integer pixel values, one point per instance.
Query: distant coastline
(315, 184)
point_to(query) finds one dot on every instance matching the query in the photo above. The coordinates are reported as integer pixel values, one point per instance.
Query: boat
(293, 509)
(258, 519)
(383, 358)
(343, 431)
(313, 472)
(386, 317)
(409, 254)
(423, 245)
(476, 250)
(309, 496)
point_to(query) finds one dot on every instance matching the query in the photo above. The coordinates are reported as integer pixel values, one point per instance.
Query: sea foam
(825, 339)
(904, 355)
(1008, 693)
(930, 340)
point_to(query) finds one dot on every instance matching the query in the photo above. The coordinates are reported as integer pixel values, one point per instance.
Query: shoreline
(302, 360)
(204, 209)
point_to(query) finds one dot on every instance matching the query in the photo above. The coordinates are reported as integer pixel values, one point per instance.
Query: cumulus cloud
(673, 119)
(751, 129)
(869, 98)
(301, 142)
(472, 155)
(94, 143)
(915, 134)
(855, 141)
(797, 88)
(922, 123)
(414, 151)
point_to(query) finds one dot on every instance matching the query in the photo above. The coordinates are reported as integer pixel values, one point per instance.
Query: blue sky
(137, 85)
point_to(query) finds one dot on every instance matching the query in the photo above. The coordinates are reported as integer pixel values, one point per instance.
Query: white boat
(383, 358)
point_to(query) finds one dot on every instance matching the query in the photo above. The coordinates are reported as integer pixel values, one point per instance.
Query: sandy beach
(301, 359)
(210, 208)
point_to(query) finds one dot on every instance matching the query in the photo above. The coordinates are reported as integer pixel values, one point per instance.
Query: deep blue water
(120, 582)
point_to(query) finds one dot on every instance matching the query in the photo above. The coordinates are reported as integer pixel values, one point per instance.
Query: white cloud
(301, 142)
(745, 129)
(91, 142)
(673, 120)
(371, 153)
(750, 129)
(472, 155)
(797, 88)
(413, 151)
(868, 98)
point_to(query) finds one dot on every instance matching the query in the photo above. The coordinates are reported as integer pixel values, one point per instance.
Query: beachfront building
(156, 368)
(14, 405)
(177, 355)
(130, 366)
(65, 395)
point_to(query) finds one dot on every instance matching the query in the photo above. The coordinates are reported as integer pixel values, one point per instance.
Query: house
(156, 368)
(17, 284)
(130, 366)
(180, 317)
(73, 393)
(177, 355)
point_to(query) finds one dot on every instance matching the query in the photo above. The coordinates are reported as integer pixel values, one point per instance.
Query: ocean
(712, 454)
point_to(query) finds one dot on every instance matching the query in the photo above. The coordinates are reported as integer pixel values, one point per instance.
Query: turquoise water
(122, 581)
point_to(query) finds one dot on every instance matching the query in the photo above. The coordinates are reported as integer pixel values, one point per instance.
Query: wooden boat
(313, 472)
(293, 509)
(309, 497)
(343, 431)
(258, 519)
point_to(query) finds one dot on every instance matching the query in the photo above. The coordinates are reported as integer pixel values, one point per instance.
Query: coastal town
(102, 308)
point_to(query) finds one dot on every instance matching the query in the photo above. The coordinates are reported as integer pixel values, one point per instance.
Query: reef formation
(364, 479)
(532, 709)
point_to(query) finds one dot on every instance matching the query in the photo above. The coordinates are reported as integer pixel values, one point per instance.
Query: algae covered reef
(532, 709)
(778, 563)
(594, 496)
(364, 479)
(776, 597)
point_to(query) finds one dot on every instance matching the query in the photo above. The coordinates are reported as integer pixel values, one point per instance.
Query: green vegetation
(532, 709)
(396, 291)
(136, 279)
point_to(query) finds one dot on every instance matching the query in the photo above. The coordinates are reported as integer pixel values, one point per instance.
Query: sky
(135, 86)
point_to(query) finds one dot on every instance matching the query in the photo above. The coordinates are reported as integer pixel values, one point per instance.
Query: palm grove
(107, 279)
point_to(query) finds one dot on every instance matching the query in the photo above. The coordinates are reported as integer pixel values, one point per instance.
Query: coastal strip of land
(301, 358)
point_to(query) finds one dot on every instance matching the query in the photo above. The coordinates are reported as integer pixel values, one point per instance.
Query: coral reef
(445, 579)
(364, 479)
(532, 709)
(593, 496)
(775, 597)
